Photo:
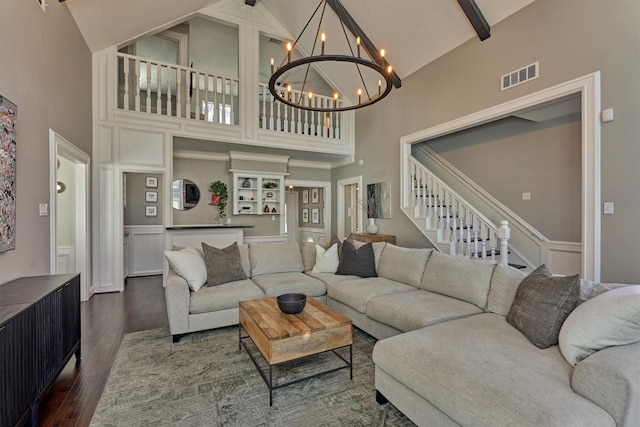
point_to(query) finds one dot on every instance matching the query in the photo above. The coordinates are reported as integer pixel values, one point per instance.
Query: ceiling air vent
(522, 75)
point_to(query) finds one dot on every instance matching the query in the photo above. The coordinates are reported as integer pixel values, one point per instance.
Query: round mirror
(185, 194)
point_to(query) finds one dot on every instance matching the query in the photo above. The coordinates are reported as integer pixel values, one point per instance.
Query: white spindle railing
(457, 223)
(172, 90)
(279, 117)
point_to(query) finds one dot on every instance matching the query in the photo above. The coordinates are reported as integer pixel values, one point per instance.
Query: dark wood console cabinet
(39, 332)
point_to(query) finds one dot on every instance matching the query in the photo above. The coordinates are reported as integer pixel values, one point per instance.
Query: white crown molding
(200, 155)
(271, 158)
(309, 164)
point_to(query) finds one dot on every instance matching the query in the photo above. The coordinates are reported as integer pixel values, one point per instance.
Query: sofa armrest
(177, 296)
(611, 379)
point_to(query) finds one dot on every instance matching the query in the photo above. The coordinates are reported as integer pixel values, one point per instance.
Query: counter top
(207, 226)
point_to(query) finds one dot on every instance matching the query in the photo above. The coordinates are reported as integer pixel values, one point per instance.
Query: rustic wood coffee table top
(282, 337)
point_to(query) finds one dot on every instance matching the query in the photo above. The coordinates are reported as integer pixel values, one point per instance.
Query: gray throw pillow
(541, 305)
(359, 262)
(223, 265)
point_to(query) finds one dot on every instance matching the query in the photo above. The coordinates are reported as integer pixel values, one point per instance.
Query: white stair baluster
(125, 66)
(159, 89)
(169, 101)
(148, 101)
(137, 86)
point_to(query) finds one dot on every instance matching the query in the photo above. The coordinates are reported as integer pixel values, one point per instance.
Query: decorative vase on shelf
(246, 183)
(372, 228)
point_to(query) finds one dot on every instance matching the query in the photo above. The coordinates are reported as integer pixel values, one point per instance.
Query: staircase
(451, 223)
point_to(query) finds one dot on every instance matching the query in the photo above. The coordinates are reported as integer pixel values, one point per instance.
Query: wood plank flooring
(105, 319)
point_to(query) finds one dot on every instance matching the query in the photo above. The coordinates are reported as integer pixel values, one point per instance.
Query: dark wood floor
(106, 318)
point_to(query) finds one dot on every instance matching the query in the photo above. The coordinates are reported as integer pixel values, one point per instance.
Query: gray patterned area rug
(204, 380)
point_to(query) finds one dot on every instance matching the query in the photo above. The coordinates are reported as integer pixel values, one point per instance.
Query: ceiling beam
(365, 42)
(475, 16)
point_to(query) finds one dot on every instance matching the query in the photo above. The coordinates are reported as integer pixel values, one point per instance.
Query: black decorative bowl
(291, 303)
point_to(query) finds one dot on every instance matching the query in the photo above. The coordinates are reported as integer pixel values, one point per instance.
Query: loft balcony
(223, 108)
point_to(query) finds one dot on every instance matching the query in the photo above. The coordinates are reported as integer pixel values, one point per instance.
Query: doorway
(349, 214)
(69, 211)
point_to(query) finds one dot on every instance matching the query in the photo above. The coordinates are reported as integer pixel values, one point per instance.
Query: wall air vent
(522, 75)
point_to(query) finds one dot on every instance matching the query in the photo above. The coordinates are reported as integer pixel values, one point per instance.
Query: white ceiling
(413, 32)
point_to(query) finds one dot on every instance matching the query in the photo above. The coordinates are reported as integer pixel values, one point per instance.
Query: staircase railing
(457, 223)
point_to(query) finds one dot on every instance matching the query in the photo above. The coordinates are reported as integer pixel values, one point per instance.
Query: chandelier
(373, 64)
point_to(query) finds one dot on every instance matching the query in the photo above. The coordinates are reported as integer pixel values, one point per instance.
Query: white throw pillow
(611, 318)
(189, 264)
(326, 259)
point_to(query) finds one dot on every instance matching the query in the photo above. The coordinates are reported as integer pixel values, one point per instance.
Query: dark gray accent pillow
(541, 305)
(359, 262)
(223, 265)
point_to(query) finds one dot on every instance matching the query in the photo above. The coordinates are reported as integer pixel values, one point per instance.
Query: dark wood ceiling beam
(365, 42)
(475, 16)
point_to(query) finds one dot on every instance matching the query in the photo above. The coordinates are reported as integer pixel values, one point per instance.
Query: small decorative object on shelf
(270, 185)
(219, 189)
(372, 228)
(274, 210)
(266, 209)
(246, 183)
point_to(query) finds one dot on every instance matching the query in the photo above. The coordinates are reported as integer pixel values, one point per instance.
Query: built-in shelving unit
(257, 194)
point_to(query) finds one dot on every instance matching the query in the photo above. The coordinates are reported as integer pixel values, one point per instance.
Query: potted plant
(219, 196)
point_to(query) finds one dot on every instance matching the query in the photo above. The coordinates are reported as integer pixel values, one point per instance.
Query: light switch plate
(526, 196)
(608, 208)
(43, 209)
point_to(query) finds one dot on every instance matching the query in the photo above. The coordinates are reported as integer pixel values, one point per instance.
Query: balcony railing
(171, 90)
(279, 117)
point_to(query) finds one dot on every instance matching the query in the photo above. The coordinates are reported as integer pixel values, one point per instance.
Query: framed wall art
(305, 215)
(151, 196)
(8, 161)
(151, 182)
(315, 216)
(150, 210)
(379, 200)
(315, 195)
(305, 197)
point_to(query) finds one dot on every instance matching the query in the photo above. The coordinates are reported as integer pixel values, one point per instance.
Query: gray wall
(135, 210)
(570, 38)
(202, 173)
(543, 159)
(45, 69)
(213, 46)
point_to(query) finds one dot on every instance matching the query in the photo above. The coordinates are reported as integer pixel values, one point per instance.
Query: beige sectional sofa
(446, 354)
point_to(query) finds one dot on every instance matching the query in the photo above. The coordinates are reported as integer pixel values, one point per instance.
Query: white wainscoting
(66, 259)
(315, 235)
(564, 257)
(146, 243)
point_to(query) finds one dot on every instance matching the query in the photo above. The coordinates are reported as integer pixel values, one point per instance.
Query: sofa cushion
(267, 258)
(189, 264)
(610, 319)
(356, 293)
(504, 284)
(326, 259)
(405, 265)
(223, 265)
(458, 277)
(308, 250)
(329, 278)
(280, 283)
(358, 262)
(222, 297)
(541, 305)
(407, 311)
(481, 371)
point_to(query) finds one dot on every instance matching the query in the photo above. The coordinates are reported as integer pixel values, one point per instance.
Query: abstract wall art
(8, 115)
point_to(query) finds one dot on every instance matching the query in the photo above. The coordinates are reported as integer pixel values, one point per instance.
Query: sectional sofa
(451, 351)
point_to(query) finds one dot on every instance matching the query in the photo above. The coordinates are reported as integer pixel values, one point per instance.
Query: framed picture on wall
(305, 215)
(150, 210)
(152, 182)
(305, 197)
(151, 196)
(315, 216)
(314, 195)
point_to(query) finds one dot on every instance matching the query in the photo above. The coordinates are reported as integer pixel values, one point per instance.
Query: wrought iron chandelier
(303, 98)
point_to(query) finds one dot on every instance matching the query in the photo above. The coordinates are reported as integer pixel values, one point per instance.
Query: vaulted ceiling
(414, 32)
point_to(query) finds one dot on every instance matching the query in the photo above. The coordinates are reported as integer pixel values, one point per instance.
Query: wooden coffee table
(284, 337)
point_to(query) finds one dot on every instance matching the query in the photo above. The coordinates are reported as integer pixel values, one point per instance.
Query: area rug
(204, 380)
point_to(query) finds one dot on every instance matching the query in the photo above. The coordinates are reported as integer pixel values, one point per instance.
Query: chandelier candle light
(282, 90)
